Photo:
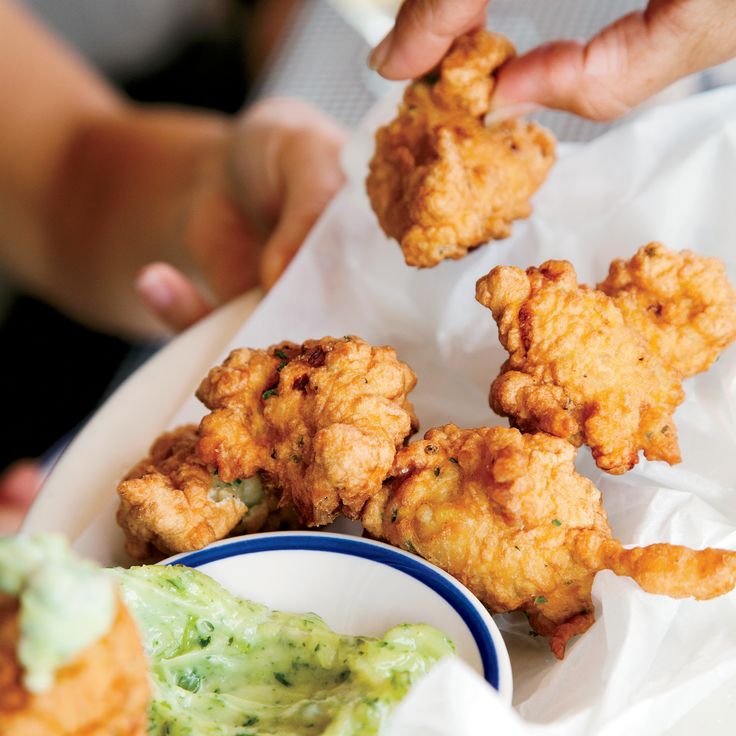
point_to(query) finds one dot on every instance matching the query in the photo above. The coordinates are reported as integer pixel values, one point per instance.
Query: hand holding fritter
(322, 421)
(508, 516)
(576, 369)
(682, 303)
(441, 182)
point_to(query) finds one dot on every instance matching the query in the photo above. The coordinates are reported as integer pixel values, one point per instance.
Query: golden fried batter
(682, 303)
(172, 502)
(507, 515)
(576, 370)
(104, 692)
(441, 182)
(322, 421)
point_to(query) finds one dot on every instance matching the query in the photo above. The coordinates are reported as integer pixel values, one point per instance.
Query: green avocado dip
(65, 604)
(225, 666)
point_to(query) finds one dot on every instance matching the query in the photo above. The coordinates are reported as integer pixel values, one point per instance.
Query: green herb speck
(540, 599)
(282, 678)
(556, 522)
(279, 354)
(269, 393)
(189, 680)
(453, 460)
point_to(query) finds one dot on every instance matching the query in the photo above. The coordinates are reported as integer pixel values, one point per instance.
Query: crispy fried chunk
(321, 421)
(577, 370)
(682, 303)
(104, 692)
(508, 515)
(440, 181)
(172, 502)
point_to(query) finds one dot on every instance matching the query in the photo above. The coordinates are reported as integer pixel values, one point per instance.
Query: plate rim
(486, 634)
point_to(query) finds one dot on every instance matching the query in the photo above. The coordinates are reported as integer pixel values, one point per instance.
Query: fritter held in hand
(321, 421)
(682, 303)
(172, 502)
(508, 516)
(577, 370)
(441, 182)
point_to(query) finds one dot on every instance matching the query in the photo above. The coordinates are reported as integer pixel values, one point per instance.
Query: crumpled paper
(668, 175)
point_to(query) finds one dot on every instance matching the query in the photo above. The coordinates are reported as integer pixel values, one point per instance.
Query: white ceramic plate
(120, 433)
(358, 587)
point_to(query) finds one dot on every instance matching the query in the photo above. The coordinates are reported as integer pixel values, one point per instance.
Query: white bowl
(359, 587)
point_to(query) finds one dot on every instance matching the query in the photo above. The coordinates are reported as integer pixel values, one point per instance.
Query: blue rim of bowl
(441, 583)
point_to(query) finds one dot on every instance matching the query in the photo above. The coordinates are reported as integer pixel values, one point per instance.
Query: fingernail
(155, 288)
(379, 54)
(507, 112)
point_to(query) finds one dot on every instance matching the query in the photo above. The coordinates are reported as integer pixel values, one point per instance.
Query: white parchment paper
(669, 175)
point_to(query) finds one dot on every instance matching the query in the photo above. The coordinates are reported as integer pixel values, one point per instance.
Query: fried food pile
(172, 502)
(577, 370)
(320, 421)
(507, 515)
(682, 303)
(296, 435)
(441, 182)
(104, 692)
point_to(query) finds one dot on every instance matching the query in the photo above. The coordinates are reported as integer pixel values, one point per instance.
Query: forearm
(91, 188)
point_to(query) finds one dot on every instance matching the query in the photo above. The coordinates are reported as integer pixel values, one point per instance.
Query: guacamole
(225, 666)
(65, 604)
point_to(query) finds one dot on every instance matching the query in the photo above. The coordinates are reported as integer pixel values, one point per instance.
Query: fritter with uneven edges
(682, 303)
(321, 421)
(172, 502)
(577, 370)
(440, 181)
(104, 692)
(507, 515)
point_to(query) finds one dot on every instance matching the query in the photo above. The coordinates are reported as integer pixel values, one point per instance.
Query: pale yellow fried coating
(104, 692)
(577, 370)
(507, 515)
(166, 501)
(321, 421)
(172, 502)
(682, 303)
(440, 181)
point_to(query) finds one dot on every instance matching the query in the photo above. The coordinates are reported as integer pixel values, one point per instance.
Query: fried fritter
(172, 502)
(321, 421)
(104, 692)
(577, 370)
(507, 515)
(682, 303)
(440, 181)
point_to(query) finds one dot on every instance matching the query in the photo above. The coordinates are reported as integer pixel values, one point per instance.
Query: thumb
(623, 65)
(423, 32)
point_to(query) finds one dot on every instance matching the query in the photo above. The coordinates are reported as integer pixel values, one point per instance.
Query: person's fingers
(20, 482)
(170, 296)
(309, 184)
(19, 485)
(423, 32)
(623, 65)
(305, 168)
